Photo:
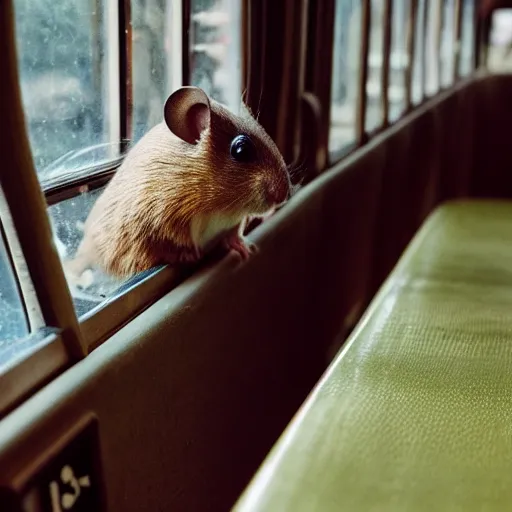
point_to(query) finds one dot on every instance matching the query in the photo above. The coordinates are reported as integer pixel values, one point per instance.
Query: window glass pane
(374, 81)
(155, 32)
(345, 65)
(13, 323)
(156, 35)
(467, 38)
(67, 219)
(500, 44)
(432, 50)
(447, 47)
(68, 75)
(398, 59)
(215, 49)
(419, 44)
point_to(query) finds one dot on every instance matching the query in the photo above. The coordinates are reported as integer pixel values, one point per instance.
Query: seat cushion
(415, 412)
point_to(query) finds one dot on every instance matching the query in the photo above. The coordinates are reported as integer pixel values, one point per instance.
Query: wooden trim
(185, 42)
(125, 72)
(132, 298)
(411, 53)
(244, 42)
(386, 51)
(424, 53)
(366, 14)
(97, 177)
(26, 201)
(298, 71)
(276, 86)
(18, 264)
(457, 39)
(44, 356)
(439, 45)
(292, 79)
(318, 75)
(478, 29)
(256, 50)
(13, 257)
(482, 28)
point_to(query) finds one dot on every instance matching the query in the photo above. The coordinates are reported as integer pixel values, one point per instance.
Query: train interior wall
(192, 394)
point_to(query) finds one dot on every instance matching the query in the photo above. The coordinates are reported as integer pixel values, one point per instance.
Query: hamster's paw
(239, 245)
(77, 281)
(85, 280)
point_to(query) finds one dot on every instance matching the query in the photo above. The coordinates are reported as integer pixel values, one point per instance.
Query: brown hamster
(189, 183)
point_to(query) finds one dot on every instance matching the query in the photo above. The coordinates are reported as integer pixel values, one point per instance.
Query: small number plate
(71, 480)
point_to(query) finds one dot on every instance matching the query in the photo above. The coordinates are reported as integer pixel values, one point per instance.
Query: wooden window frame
(320, 75)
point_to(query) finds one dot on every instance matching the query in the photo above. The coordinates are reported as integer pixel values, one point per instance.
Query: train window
(156, 34)
(96, 76)
(447, 54)
(500, 41)
(418, 70)
(66, 64)
(374, 81)
(67, 218)
(13, 320)
(467, 38)
(432, 49)
(215, 37)
(153, 76)
(345, 73)
(398, 60)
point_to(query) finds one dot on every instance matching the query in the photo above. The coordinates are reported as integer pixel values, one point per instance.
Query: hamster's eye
(242, 149)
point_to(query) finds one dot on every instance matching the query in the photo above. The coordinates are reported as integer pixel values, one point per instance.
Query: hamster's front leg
(234, 241)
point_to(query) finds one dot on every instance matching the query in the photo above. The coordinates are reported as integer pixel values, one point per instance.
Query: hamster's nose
(277, 191)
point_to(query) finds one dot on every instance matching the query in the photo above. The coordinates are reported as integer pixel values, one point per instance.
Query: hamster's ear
(187, 113)
(245, 111)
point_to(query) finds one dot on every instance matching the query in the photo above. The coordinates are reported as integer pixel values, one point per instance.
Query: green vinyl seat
(415, 412)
